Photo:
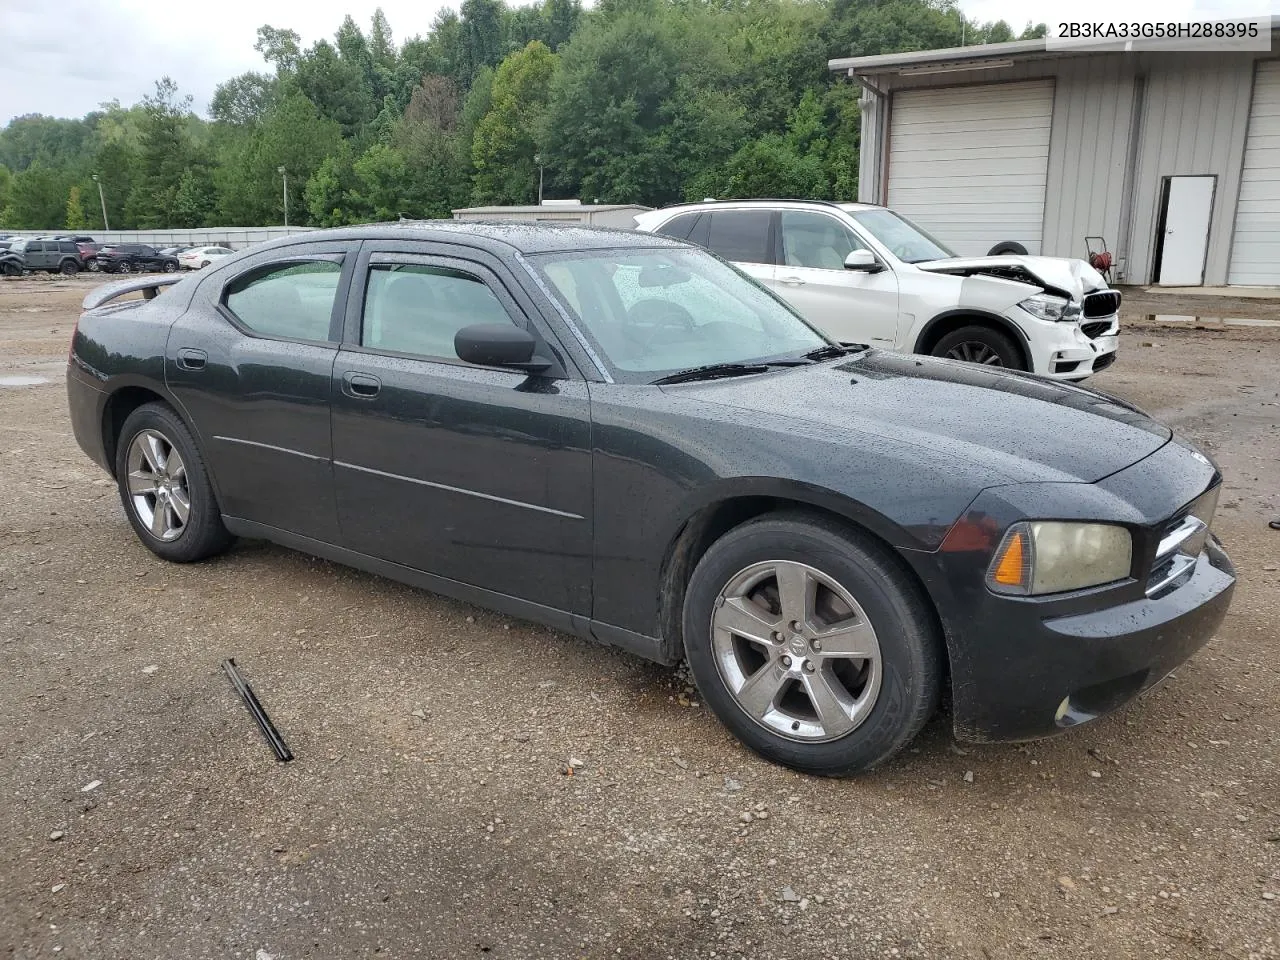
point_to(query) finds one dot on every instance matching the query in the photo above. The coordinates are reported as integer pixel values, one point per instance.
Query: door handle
(361, 386)
(791, 281)
(190, 358)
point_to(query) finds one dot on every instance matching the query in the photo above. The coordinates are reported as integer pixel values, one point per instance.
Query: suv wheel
(165, 487)
(69, 268)
(93, 266)
(12, 270)
(811, 644)
(977, 344)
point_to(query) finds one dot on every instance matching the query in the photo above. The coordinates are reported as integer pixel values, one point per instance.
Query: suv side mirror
(499, 345)
(863, 260)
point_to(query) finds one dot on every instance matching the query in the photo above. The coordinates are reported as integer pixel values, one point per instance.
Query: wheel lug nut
(817, 645)
(797, 626)
(786, 661)
(808, 667)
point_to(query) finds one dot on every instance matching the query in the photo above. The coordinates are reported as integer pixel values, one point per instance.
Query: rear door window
(741, 235)
(287, 301)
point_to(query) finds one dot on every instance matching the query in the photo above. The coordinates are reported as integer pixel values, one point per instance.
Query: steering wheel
(659, 314)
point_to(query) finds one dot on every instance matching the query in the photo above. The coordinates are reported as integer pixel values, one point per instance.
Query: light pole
(285, 179)
(103, 199)
(537, 158)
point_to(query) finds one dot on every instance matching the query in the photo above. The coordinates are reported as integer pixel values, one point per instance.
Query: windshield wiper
(714, 371)
(832, 350)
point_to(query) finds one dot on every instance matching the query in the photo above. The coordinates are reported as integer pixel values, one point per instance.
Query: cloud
(66, 63)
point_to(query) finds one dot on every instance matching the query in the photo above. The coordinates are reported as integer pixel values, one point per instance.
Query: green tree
(481, 35)
(165, 152)
(243, 100)
(194, 203)
(37, 199)
(280, 48)
(505, 141)
(75, 218)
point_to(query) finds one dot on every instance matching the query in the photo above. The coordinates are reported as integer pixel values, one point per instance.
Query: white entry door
(1186, 231)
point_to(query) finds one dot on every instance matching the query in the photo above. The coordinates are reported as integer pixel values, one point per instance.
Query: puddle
(21, 380)
(1213, 323)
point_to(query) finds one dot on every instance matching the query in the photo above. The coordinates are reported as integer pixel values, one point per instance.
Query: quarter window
(679, 227)
(741, 235)
(292, 301)
(417, 309)
(815, 240)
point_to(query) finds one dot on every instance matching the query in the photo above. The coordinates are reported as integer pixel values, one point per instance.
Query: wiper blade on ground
(713, 371)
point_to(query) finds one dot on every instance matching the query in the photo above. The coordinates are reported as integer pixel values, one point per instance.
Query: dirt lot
(427, 813)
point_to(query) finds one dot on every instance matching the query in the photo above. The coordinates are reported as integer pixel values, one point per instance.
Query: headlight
(1045, 306)
(1049, 557)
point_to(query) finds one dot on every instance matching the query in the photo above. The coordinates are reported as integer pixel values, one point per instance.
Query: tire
(12, 270)
(170, 266)
(1007, 246)
(978, 344)
(159, 433)
(69, 268)
(121, 267)
(883, 698)
(93, 266)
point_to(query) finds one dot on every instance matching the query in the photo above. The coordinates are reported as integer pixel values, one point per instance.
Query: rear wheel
(170, 266)
(811, 644)
(165, 487)
(69, 268)
(977, 344)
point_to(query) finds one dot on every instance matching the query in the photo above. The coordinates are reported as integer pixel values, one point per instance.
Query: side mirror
(863, 260)
(498, 345)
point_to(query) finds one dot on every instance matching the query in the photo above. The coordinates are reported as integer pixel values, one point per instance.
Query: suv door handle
(361, 386)
(791, 281)
(190, 358)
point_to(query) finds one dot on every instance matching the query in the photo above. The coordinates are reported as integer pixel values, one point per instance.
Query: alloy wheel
(975, 351)
(796, 651)
(157, 485)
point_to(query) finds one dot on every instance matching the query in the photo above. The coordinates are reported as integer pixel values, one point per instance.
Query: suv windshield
(904, 239)
(653, 312)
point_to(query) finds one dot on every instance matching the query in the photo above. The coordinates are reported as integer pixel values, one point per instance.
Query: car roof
(767, 203)
(518, 235)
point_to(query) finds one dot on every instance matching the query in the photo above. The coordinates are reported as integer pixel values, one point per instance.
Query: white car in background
(197, 258)
(865, 274)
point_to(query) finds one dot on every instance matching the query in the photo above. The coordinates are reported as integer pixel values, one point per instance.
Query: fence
(237, 238)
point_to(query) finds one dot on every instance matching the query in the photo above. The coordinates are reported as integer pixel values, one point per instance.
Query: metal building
(560, 211)
(1172, 157)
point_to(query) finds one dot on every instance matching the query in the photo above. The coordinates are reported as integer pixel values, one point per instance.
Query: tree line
(631, 101)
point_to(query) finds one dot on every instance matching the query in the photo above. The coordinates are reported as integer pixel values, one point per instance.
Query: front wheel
(165, 487)
(170, 266)
(976, 344)
(93, 266)
(12, 270)
(811, 644)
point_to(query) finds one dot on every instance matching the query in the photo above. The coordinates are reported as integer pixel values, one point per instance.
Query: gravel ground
(467, 785)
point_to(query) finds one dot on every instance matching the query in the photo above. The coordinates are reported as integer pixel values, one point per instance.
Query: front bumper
(1065, 351)
(1029, 667)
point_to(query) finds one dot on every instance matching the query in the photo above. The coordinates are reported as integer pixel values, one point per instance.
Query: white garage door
(969, 164)
(1255, 245)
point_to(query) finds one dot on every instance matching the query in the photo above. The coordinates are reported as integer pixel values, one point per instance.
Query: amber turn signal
(1011, 568)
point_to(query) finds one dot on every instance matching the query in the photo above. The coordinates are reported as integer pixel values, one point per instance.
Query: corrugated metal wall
(1121, 124)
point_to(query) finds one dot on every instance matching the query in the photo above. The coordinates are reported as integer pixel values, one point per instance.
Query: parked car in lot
(54, 256)
(619, 435)
(864, 273)
(136, 258)
(197, 258)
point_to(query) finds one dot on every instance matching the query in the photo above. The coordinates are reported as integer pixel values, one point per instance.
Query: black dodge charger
(620, 436)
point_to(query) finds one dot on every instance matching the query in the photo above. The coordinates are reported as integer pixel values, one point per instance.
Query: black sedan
(134, 258)
(619, 435)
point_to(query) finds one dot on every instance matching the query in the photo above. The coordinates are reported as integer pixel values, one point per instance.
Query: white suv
(866, 274)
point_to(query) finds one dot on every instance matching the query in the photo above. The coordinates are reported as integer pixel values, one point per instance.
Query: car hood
(1019, 427)
(1073, 278)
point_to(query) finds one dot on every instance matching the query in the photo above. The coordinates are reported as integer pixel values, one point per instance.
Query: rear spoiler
(150, 287)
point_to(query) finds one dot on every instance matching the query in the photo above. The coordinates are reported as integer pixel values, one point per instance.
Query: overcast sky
(66, 60)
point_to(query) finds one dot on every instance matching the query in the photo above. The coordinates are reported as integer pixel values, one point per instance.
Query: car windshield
(652, 312)
(19, 245)
(904, 239)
